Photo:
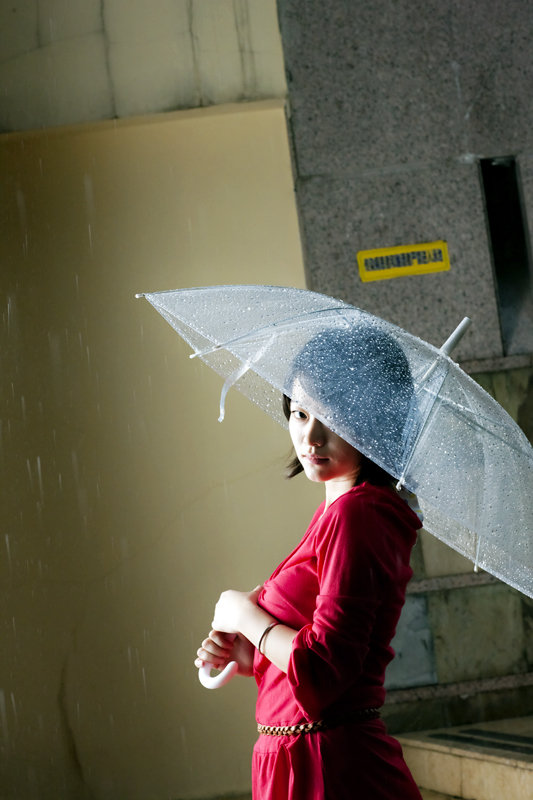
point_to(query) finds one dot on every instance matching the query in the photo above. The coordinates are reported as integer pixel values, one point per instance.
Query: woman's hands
(238, 627)
(220, 648)
(225, 642)
(233, 609)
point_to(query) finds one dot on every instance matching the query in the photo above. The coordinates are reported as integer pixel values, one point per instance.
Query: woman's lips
(313, 459)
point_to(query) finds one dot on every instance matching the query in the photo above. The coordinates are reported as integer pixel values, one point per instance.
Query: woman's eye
(297, 413)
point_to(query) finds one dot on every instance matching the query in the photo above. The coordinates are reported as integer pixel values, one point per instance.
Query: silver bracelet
(265, 634)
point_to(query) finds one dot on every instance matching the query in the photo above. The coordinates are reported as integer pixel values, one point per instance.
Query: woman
(316, 636)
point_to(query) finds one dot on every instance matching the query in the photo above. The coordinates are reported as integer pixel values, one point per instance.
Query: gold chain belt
(362, 714)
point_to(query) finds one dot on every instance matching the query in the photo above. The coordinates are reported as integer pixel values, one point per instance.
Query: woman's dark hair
(361, 386)
(369, 472)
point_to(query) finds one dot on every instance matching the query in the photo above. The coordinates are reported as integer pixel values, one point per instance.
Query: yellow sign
(394, 262)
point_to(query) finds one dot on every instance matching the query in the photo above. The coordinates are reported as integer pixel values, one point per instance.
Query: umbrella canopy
(402, 402)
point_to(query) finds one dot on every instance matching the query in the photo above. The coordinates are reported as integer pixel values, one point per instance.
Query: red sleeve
(358, 552)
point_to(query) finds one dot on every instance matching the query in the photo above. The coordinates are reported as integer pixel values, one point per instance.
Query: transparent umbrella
(402, 402)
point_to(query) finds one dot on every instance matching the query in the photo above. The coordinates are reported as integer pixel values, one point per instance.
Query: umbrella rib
(473, 420)
(266, 329)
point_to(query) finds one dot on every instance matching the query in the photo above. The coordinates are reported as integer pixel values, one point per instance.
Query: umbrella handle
(206, 679)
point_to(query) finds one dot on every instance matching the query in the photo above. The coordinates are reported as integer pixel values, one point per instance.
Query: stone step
(482, 761)
(427, 794)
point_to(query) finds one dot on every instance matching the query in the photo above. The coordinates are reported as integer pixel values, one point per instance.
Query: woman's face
(323, 455)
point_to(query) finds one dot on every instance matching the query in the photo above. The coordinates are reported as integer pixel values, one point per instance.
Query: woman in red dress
(316, 636)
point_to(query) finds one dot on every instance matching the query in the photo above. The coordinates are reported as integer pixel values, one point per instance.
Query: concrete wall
(69, 61)
(120, 503)
(126, 506)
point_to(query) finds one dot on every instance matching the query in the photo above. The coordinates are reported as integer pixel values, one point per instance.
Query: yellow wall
(126, 507)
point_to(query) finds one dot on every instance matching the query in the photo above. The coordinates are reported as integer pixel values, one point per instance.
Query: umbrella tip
(453, 340)
(139, 294)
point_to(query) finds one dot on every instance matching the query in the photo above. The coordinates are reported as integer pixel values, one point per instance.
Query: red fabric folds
(343, 588)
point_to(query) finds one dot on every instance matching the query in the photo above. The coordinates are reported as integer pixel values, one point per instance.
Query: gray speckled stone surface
(390, 108)
(384, 83)
(384, 210)
(522, 340)
(492, 52)
(369, 83)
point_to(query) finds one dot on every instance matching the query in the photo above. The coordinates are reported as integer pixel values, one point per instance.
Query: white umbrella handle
(210, 682)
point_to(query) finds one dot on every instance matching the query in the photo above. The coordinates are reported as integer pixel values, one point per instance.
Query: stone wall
(392, 107)
(463, 645)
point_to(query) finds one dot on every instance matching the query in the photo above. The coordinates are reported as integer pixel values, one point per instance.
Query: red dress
(342, 588)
